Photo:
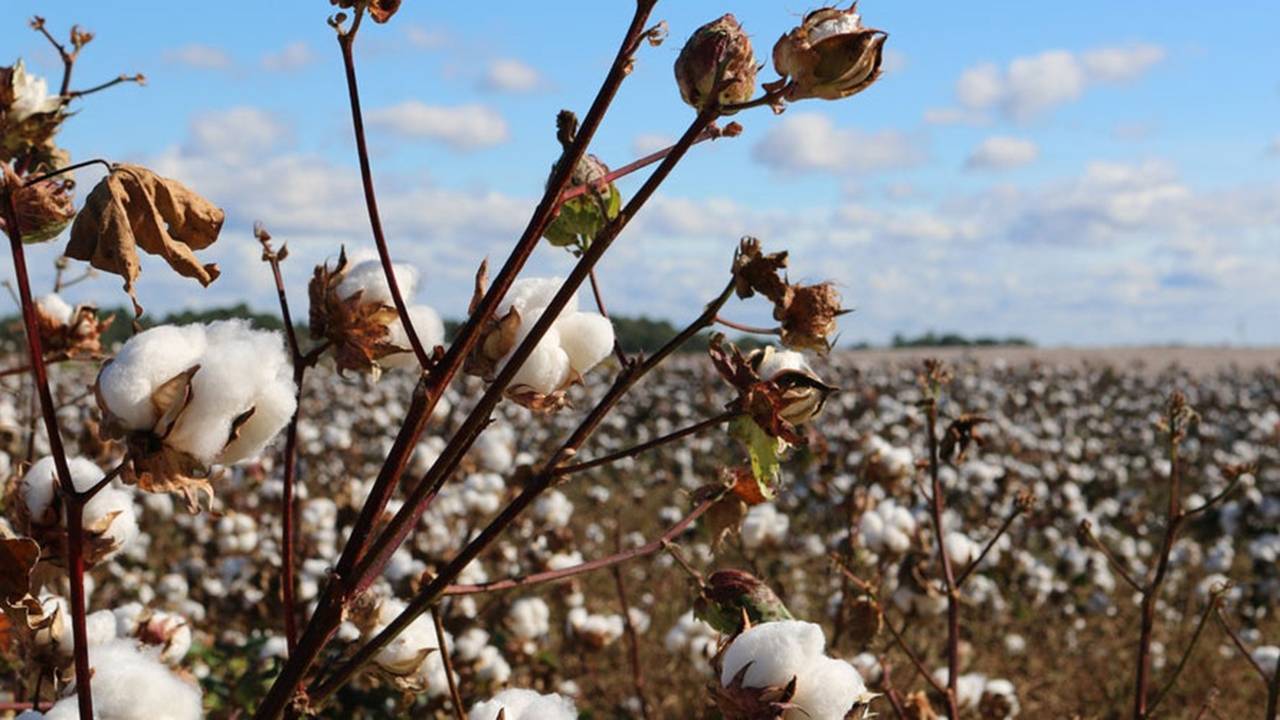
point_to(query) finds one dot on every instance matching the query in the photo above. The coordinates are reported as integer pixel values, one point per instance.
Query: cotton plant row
(194, 411)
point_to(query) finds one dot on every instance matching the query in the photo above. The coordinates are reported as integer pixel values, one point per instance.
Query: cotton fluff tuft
(521, 704)
(55, 307)
(239, 369)
(764, 525)
(130, 684)
(826, 688)
(414, 652)
(430, 328)
(365, 276)
(574, 344)
(115, 504)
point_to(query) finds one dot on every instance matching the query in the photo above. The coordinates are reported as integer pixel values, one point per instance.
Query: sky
(1086, 173)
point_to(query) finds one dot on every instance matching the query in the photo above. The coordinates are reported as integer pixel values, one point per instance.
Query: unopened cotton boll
(130, 684)
(772, 654)
(521, 704)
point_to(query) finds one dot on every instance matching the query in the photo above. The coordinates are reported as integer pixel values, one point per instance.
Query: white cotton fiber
(430, 328)
(40, 484)
(961, 551)
(777, 651)
(826, 690)
(54, 306)
(100, 627)
(529, 618)
(521, 704)
(405, 654)
(366, 276)
(530, 296)
(775, 361)
(547, 367)
(130, 684)
(243, 368)
(147, 361)
(587, 338)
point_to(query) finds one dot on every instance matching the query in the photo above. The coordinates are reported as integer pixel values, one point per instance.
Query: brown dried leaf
(18, 557)
(134, 208)
(756, 272)
(356, 330)
(808, 315)
(382, 10)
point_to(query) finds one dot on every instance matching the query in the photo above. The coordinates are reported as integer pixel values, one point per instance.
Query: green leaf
(581, 219)
(765, 452)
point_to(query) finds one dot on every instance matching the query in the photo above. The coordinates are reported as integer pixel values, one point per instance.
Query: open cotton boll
(111, 506)
(960, 549)
(521, 704)
(147, 361)
(827, 689)
(777, 651)
(587, 338)
(244, 369)
(414, 653)
(100, 627)
(530, 296)
(529, 618)
(55, 307)
(780, 361)
(430, 328)
(547, 367)
(366, 276)
(130, 684)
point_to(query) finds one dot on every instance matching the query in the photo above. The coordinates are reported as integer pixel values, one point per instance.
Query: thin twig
(633, 638)
(647, 160)
(1186, 655)
(1086, 530)
(63, 170)
(750, 329)
(1244, 649)
(1004, 527)
(948, 572)
(915, 659)
(454, 698)
(648, 445)
(599, 297)
(138, 78)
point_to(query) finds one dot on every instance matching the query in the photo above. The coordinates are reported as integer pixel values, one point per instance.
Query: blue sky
(1084, 173)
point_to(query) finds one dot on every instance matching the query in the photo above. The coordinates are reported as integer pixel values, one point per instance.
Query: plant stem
(443, 647)
(324, 622)
(74, 502)
(649, 445)
(633, 638)
(948, 573)
(1186, 655)
(346, 40)
(110, 83)
(750, 329)
(647, 160)
(1004, 527)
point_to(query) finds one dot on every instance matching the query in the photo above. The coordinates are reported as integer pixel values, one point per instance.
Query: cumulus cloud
(237, 133)
(812, 142)
(293, 56)
(425, 38)
(1033, 85)
(511, 76)
(201, 57)
(1002, 153)
(462, 127)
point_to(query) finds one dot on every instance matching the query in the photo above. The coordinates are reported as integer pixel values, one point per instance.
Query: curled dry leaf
(133, 208)
(81, 337)
(807, 313)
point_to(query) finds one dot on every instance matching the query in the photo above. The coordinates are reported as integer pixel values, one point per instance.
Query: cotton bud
(780, 668)
(520, 704)
(730, 596)
(830, 55)
(187, 397)
(109, 519)
(582, 217)
(803, 394)
(719, 51)
(129, 683)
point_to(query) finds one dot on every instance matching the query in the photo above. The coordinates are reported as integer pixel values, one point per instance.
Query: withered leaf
(382, 10)
(18, 556)
(133, 208)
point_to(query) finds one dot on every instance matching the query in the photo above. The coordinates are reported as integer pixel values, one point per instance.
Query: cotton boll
(553, 509)
(777, 651)
(960, 549)
(109, 512)
(547, 367)
(430, 328)
(244, 369)
(367, 277)
(529, 618)
(1266, 657)
(100, 627)
(147, 361)
(521, 704)
(530, 296)
(764, 525)
(55, 307)
(587, 338)
(129, 684)
(827, 689)
(780, 361)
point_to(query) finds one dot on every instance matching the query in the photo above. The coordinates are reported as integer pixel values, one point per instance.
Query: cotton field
(1048, 624)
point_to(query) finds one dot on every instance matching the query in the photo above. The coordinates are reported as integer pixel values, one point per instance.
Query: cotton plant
(521, 704)
(130, 683)
(185, 398)
(109, 517)
(780, 669)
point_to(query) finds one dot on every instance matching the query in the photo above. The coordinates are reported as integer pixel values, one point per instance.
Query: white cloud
(1033, 85)
(510, 75)
(203, 57)
(424, 38)
(463, 127)
(1002, 153)
(293, 56)
(237, 133)
(810, 141)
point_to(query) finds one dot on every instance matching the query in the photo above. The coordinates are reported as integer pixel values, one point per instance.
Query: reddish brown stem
(750, 329)
(599, 297)
(103, 86)
(74, 502)
(346, 40)
(68, 58)
(633, 638)
(443, 647)
(1004, 527)
(617, 558)
(948, 572)
(649, 445)
(644, 162)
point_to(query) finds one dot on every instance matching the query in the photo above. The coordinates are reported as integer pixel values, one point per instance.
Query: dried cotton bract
(521, 704)
(830, 56)
(780, 667)
(187, 397)
(109, 519)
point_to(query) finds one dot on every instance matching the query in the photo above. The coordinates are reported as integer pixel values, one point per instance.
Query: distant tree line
(635, 334)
